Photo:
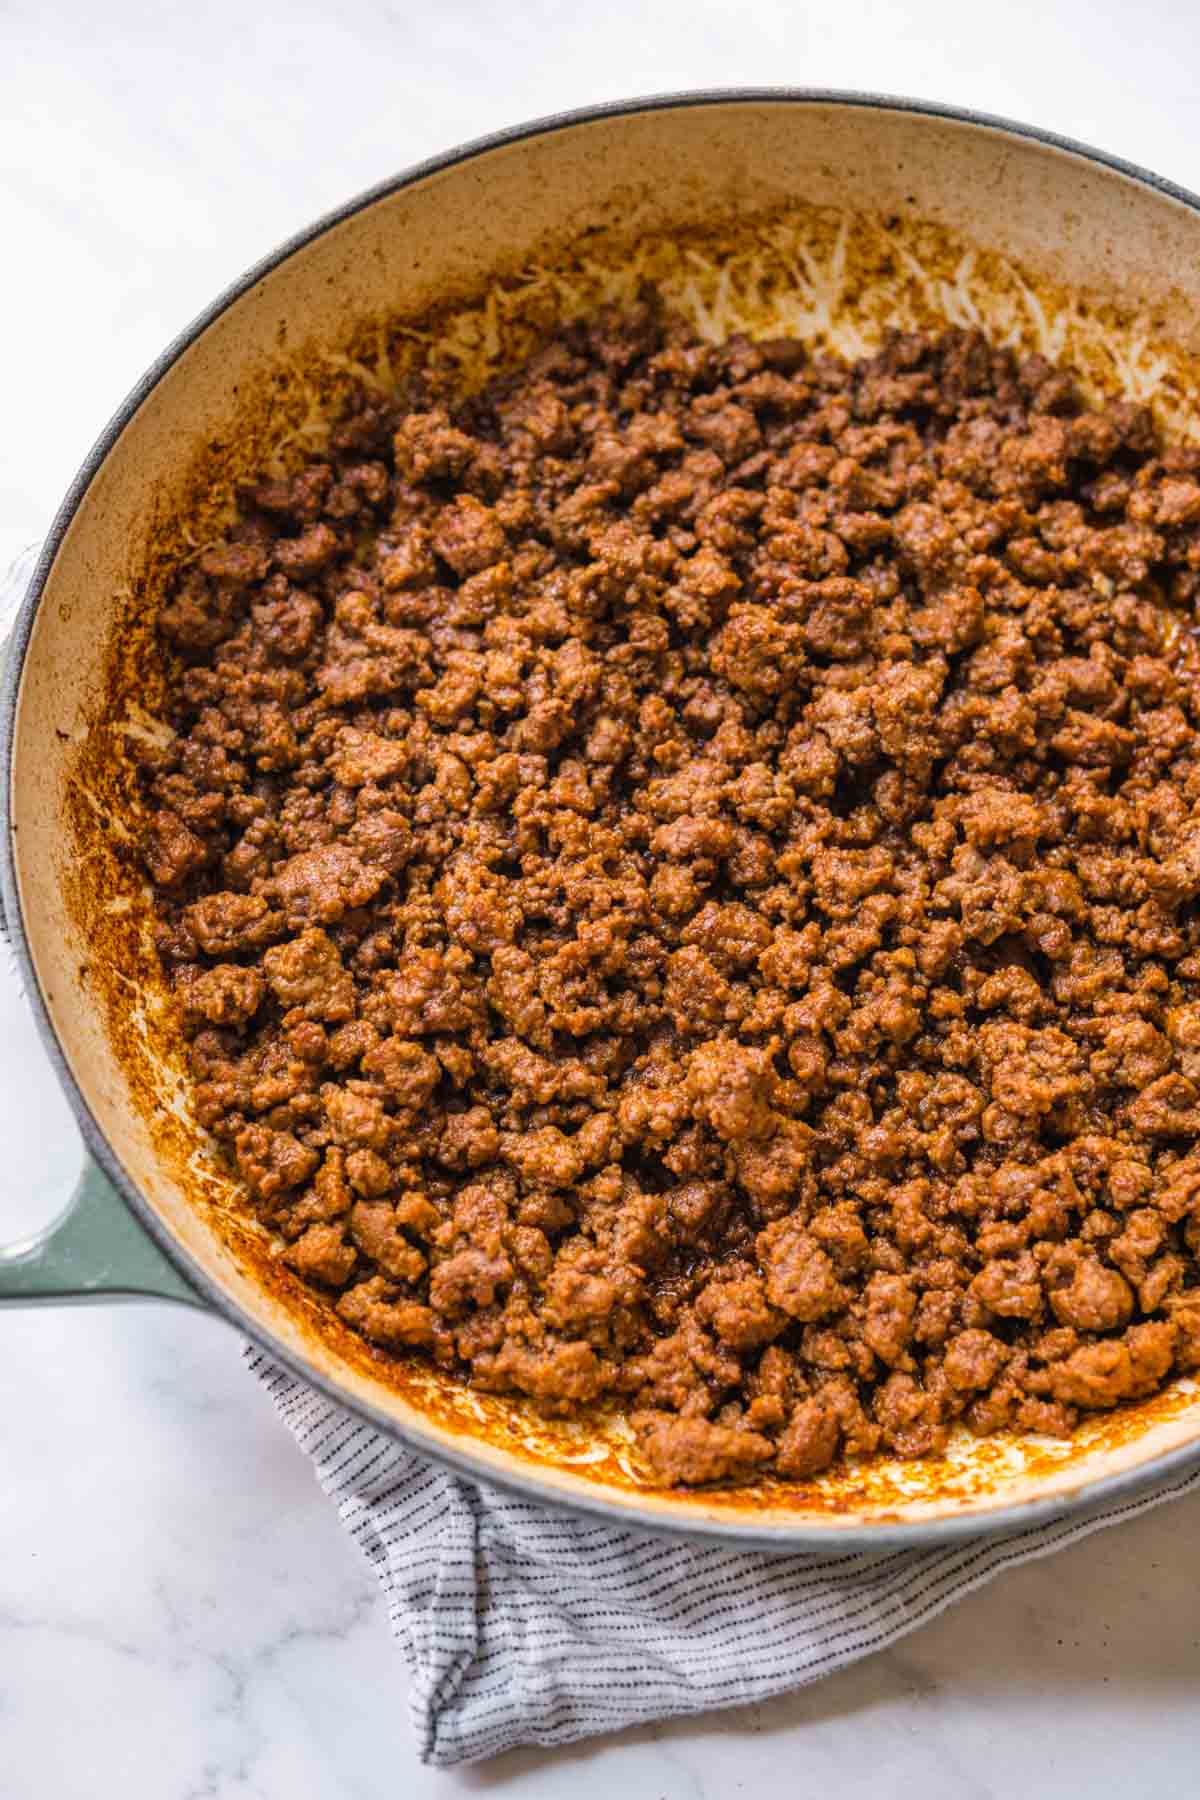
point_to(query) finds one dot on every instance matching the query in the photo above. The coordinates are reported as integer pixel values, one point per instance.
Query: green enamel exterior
(94, 1250)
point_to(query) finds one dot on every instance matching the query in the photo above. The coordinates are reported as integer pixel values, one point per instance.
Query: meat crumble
(680, 874)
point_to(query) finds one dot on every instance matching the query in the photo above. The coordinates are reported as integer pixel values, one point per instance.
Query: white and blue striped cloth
(524, 1625)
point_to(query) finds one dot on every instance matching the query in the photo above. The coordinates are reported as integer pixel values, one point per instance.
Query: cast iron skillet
(826, 213)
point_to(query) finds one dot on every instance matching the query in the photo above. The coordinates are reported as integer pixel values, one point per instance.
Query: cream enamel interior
(1069, 224)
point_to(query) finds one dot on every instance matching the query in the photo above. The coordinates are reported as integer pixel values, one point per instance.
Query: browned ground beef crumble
(681, 876)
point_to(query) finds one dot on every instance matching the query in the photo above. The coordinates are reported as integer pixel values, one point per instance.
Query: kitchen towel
(524, 1625)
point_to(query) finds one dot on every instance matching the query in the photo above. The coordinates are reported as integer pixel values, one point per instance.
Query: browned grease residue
(832, 279)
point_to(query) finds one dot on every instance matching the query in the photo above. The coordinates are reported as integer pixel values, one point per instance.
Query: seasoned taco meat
(681, 875)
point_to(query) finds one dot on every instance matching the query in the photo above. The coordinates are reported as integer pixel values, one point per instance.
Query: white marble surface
(180, 1614)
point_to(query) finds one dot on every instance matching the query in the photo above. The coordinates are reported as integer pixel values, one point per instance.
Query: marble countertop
(181, 1617)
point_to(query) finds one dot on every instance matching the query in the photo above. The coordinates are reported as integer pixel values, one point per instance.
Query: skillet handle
(94, 1250)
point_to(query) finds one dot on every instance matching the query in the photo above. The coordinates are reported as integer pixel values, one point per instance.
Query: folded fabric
(525, 1625)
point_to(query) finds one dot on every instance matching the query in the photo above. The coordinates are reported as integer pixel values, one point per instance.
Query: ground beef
(682, 877)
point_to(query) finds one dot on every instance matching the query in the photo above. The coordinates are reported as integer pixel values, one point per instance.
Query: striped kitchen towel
(524, 1625)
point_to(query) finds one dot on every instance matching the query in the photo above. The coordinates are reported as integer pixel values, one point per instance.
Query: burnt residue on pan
(832, 279)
